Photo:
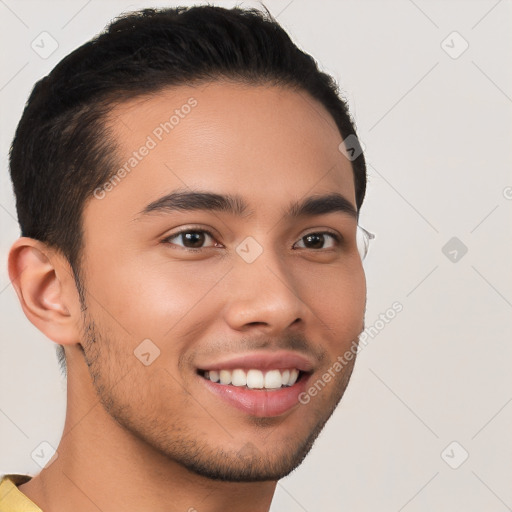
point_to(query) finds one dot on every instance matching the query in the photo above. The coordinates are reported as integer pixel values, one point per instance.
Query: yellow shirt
(11, 498)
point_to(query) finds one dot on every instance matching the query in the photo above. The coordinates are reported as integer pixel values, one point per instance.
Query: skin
(154, 437)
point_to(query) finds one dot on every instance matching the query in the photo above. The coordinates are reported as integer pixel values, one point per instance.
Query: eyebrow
(235, 205)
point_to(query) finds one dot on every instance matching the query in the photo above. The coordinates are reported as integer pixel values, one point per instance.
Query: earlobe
(41, 281)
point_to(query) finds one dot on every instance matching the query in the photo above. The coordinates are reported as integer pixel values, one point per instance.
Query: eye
(318, 238)
(192, 238)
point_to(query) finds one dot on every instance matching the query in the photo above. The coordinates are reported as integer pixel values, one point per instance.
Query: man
(188, 186)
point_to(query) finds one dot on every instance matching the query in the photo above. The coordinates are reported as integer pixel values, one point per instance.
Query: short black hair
(62, 150)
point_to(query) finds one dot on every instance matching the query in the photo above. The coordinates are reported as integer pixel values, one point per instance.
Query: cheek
(154, 299)
(338, 297)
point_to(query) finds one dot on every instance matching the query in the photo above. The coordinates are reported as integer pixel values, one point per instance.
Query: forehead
(265, 143)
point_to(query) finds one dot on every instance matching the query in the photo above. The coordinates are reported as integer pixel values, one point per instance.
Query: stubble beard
(178, 441)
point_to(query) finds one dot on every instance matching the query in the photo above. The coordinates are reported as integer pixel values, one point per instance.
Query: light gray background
(437, 134)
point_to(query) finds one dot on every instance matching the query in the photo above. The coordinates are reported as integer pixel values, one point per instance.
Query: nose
(265, 294)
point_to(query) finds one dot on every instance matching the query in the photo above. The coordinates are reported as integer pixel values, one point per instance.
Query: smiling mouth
(255, 379)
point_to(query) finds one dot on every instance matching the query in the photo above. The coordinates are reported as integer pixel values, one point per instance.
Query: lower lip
(261, 403)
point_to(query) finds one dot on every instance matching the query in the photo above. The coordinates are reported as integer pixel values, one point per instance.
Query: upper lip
(262, 361)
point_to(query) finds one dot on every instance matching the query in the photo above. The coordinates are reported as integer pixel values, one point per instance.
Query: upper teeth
(254, 379)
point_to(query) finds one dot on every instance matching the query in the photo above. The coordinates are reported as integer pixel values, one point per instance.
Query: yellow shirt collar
(11, 498)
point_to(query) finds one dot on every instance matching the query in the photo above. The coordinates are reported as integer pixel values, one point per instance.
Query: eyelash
(336, 237)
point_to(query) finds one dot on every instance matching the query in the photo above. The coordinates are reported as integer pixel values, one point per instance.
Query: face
(217, 257)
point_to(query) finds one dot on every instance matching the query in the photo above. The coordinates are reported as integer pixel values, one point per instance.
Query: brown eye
(318, 240)
(190, 238)
(193, 239)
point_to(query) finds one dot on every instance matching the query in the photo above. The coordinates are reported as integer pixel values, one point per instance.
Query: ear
(44, 283)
